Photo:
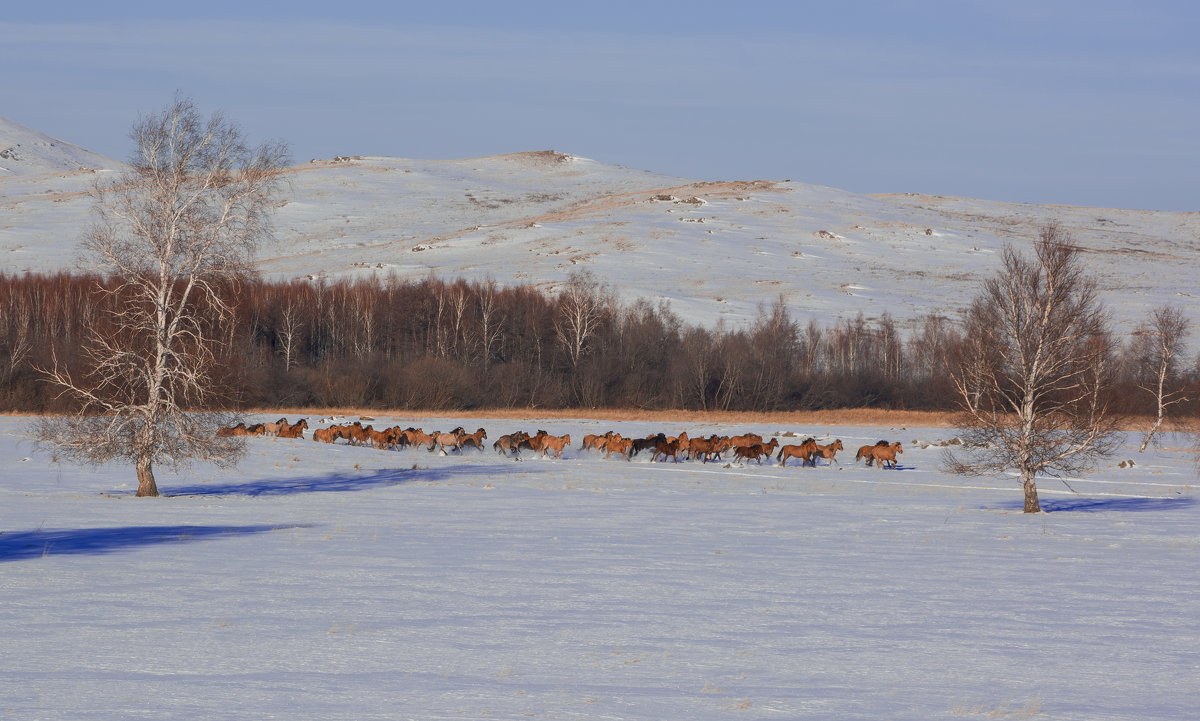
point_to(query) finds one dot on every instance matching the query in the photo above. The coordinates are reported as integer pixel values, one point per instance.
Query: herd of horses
(715, 448)
(746, 447)
(280, 429)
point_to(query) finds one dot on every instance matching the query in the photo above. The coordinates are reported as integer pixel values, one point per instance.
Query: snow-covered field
(330, 582)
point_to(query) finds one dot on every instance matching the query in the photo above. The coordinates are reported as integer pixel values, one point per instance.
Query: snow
(537, 217)
(26, 152)
(321, 582)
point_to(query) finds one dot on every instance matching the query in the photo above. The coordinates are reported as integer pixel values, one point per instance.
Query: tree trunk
(1031, 495)
(145, 474)
(1153, 429)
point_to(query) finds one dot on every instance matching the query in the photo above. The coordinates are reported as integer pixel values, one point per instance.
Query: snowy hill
(714, 250)
(24, 151)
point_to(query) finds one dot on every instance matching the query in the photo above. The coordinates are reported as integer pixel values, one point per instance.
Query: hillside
(714, 250)
(24, 152)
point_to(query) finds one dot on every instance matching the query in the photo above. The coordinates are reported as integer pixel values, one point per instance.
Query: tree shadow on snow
(1099, 505)
(339, 483)
(24, 545)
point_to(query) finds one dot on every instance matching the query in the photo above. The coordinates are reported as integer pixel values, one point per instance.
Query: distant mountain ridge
(714, 250)
(25, 151)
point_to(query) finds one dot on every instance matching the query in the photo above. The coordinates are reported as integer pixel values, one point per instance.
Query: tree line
(442, 344)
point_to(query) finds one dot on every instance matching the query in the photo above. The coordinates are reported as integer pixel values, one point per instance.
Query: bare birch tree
(289, 330)
(583, 305)
(1156, 345)
(1035, 398)
(184, 217)
(490, 322)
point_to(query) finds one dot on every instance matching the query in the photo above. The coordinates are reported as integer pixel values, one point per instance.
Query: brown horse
(355, 434)
(685, 444)
(708, 448)
(418, 437)
(828, 452)
(606, 439)
(295, 430)
(384, 439)
(621, 446)
(536, 443)
(867, 452)
(238, 430)
(399, 437)
(804, 451)
(885, 456)
(442, 441)
(754, 451)
(329, 435)
(593, 442)
(474, 440)
(748, 452)
(746, 439)
(509, 442)
(669, 448)
(556, 444)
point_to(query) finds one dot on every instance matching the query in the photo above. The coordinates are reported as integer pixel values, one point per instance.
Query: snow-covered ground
(714, 250)
(321, 582)
(331, 582)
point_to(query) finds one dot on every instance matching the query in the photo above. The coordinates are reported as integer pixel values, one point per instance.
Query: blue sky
(1081, 103)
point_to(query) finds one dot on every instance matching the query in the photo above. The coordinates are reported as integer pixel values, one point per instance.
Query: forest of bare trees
(449, 344)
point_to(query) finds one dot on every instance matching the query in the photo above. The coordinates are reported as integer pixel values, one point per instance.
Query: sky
(1076, 103)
